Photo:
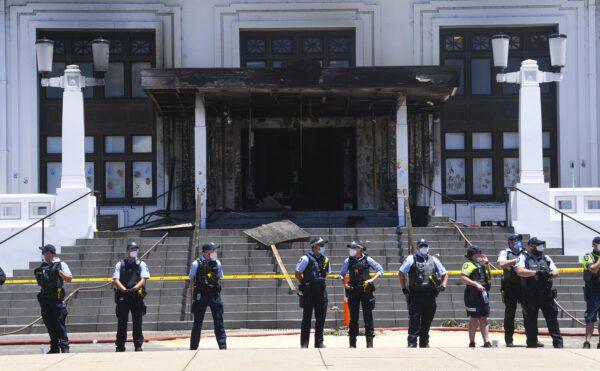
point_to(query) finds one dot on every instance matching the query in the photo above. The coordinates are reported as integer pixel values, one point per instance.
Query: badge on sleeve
(466, 265)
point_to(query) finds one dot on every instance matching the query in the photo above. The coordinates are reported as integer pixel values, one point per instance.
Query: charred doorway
(301, 169)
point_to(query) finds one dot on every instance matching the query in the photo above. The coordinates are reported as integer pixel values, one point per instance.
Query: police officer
(360, 288)
(2, 277)
(591, 276)
(510, 284)
(426, 278)
(50, 276)
(537, 271)
(311, 271)
(129, 281)
(476, 276)
(205, 276)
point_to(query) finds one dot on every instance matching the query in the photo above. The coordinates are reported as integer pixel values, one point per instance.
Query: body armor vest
(358, 270)
(207, 276)
(49, 280)
(419, 273)
(480, 275)
(592, 280)
(536, 263)
(316, 270)
(130, 273)
(509, 274)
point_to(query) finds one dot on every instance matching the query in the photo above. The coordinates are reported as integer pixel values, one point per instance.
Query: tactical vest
(130, 273)
(592, 280)
(536, 263)
(358, 270)
(509, 274)
(207, 276)
(419, 273)
(50, 281)
(479, 275)
(316, 270)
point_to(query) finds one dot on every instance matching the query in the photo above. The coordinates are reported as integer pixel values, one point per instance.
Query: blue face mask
(322, 250)
(518, 245)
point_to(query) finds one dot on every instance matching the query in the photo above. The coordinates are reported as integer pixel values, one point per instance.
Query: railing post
(562, 233)
(43, 227)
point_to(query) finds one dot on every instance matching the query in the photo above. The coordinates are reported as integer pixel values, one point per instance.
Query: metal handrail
(42, 220)
(454, 201)
(562, 215)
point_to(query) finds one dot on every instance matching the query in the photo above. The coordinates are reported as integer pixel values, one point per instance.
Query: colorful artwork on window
(89, 175)
(114, 179)
(141, 144)
(53, 174)
(482, 176)
(511, 171)
(547, 169)
(142, 179)
(455, 176)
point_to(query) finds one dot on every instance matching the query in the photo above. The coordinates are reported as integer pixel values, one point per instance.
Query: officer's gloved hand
(543, 274)
(56, 267)
(132, 291)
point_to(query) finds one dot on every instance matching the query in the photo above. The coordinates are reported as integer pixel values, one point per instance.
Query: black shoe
(598, 347)
(193, 348)
(412, 345)
(586, 345)
(223, 346)
(305, 345)
(352, 343)
(120, 349)
(319, 345)
(487, 344)
(425, 345)
(472, 344)
(53, 350)
(558, 346)
(138, 348)
(370, 343)
(540, 344)
(64, 350)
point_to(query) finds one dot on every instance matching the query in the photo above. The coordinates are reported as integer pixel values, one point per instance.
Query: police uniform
(314, 269)
(423, 272)
(359, 294)
(511, 292)
(537, 293)
(2, 277)
(129, 272)
(477, 302)
(206, 275)
(51, 298)
(592, 288)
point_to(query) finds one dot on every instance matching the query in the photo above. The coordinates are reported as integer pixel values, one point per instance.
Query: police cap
(209, 246)
(515, 237)
(49, 248)
(132, 245)
(357, 244)
(318, 241)
(596, 240)
(472, 250)
(534, 241)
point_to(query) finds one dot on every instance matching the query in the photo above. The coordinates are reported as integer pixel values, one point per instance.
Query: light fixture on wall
(558, 50)
(100, 53)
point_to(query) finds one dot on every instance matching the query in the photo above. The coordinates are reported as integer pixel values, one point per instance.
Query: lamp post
(529, 77)
(73, 127)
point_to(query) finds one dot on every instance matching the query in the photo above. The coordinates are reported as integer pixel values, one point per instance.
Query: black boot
(64, 350)
(472, 344)
(487, 344)
(223, 346)
(120, 349)
(586, 345)
(53, 350)
(369, 342)
(319, 345)
(138, 348)
(352, 342)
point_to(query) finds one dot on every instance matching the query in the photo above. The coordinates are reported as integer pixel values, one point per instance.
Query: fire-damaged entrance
(297, 138)
(301, 168)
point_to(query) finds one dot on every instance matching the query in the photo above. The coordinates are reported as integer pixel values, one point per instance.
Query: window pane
(454, 43)
(89, 175)
(482, 140)
(89, 144)
(339, 44)
(454, 141)
(136, 88)
(339, 63)
(513, 65)
(593, 205)
(547, 169)
(141, 144)
(256, 64)
(114, 179)
(53, 145)
(461, 64)
(455, 176)
(510, 140)
(114, 144)
(277, 64)
(115, 80)
(142, 179)
(282, 45)
(546, 140)
(481, 76)
(312, 45)
(53, 174)
(256, 46)
(87, 70)
(57, 70)
(511, 171)
(482, 176)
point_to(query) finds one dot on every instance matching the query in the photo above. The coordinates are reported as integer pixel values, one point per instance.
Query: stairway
(266, 303)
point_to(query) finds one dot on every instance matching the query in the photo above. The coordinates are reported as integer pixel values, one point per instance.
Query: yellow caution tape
(227, 277)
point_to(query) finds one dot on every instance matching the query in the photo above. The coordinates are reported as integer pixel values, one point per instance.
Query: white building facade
(133, 156)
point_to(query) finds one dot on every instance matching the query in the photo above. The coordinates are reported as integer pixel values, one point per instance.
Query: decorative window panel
(565, 204)
(141, 144)
(256, 46)
(38, 210)
(53, 174)
(81, 47)
(59, 47)
(481, 42)
(114, 179)
(114, 144)
(115, 80)
(10, 211)
(547, 169)
(592, 204)
(117, 47)
(141, 46)
(339, 45)
(90, 178)
(312, 45)
(483, 178)
(454, 141)
(481, 76)
(89, 144)
(282, 45)
(454, 43)
(515, 42)
(511, 171)
(482, 140)
(142, 179)
(455, 176)
(510, 140)
(53, 145)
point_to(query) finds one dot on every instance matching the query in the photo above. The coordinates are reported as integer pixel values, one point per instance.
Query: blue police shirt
(64, 267)
(303, 263)
(194, 268)
(144, 272)
(372, 263)
(410, 260)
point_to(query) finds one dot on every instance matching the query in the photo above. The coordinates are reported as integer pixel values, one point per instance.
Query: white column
(73, 133)
(200, 155)
(401, 157)
(531, 163)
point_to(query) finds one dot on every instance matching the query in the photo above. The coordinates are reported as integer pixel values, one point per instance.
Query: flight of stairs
(266, 303)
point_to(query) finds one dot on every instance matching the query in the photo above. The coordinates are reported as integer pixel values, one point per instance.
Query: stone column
(401, 157)
(200, 155)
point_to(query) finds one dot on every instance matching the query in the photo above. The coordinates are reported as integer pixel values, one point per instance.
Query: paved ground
(280, 352)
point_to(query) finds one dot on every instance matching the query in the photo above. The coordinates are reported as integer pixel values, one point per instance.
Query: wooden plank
(283, 269)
